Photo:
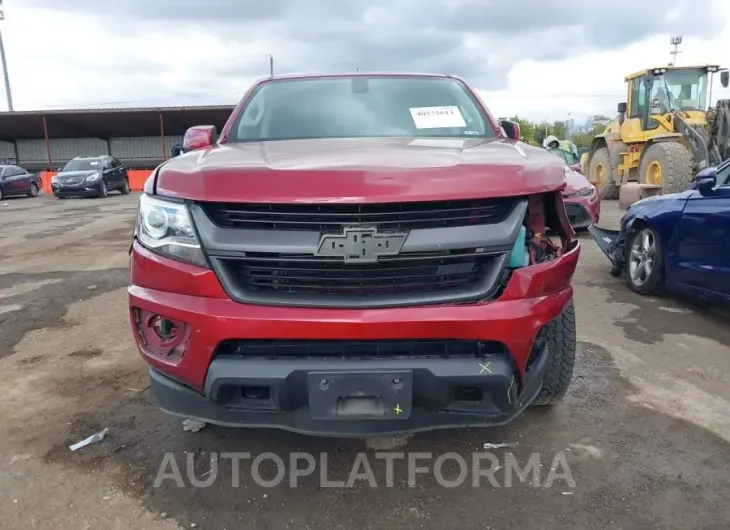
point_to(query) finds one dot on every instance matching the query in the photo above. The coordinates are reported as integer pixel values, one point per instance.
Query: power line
(140, 101)
(239, 93)
(552, 96)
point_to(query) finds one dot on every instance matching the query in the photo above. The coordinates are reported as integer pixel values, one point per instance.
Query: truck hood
(360, 170)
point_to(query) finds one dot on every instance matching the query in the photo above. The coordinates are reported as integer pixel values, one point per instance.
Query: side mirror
(622, 107)
(649, 82)
(200, 137)
(724, 77)
(706, 180)
(177, 150)
(511, 129)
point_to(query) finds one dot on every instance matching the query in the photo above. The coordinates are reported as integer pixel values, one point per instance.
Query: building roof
(109, 123)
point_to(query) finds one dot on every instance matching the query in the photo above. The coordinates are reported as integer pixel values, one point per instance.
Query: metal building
(141, 138)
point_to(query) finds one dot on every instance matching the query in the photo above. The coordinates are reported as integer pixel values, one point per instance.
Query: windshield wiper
(672, 100)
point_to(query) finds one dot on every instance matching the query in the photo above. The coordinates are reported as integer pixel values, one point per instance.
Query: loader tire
(675, 165)
(601, 172)
(560, 335)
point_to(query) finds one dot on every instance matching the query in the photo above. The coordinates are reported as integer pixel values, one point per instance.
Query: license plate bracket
(360, 396)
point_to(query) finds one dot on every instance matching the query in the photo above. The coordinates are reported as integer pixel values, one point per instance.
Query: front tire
(103, 190)
(125, 187)
(33, 190)
(667, 164)
(560, 335)
(644, 269)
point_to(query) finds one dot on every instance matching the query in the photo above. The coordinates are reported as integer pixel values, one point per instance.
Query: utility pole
(5, 64)
(675, 41)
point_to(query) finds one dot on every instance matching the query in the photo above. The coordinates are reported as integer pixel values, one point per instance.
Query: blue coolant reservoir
(519, 256)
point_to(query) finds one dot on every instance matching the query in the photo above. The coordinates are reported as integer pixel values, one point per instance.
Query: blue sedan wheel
(644, 262)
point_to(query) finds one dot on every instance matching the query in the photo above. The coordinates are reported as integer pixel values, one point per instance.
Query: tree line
(581, 135)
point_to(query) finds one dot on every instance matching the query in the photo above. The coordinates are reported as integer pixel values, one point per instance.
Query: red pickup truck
(355, 255)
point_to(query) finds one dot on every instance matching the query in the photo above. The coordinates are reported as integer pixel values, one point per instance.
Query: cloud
(96, 51)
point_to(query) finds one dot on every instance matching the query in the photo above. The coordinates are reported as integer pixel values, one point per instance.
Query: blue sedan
(680, 241)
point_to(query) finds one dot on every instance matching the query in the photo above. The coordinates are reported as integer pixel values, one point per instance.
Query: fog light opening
(165, 329)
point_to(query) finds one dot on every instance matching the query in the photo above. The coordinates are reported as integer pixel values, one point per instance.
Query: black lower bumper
(68, 192)
(350, 398)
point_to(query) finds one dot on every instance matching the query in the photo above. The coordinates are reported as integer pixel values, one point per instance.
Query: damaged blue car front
(680, 241)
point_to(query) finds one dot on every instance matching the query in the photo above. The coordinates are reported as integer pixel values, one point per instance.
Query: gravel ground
(641, 440)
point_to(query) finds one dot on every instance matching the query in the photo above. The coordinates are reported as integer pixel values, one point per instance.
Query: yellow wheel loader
(663, 135)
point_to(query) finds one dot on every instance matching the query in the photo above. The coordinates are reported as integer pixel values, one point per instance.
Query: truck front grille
(415, 272)
(386, 216)
(357, 349)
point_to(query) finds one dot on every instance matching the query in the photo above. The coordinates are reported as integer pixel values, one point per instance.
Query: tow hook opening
(468, 393)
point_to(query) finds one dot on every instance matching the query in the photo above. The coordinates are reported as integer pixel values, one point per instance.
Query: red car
(355, 255)
(582, 202)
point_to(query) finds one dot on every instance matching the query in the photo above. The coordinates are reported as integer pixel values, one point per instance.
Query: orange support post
(48, 144)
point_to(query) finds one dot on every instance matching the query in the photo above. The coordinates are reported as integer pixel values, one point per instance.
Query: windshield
(360, 107)
(87, 164)
(680, 90)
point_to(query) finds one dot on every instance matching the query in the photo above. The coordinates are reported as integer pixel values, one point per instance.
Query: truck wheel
(561, 351)
(600, 171)
(644, 269)
(125, 187)
(667, 164)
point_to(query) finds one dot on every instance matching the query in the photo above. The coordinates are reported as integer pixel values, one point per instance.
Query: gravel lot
(645, 429)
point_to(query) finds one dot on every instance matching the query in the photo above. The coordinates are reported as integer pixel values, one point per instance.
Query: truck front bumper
(360, 396)
(297, 400)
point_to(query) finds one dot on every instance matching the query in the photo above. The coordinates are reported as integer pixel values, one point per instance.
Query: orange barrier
(137, 178)
(46, 181)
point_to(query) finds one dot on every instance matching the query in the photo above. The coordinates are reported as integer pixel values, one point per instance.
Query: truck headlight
(166, 227)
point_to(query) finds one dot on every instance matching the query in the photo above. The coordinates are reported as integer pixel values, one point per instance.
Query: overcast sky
(536, 58)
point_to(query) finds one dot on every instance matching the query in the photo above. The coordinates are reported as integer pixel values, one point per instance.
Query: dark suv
(90, 177)
(15, 180)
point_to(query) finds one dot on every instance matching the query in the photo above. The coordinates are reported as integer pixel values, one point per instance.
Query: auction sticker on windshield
(437, 117)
